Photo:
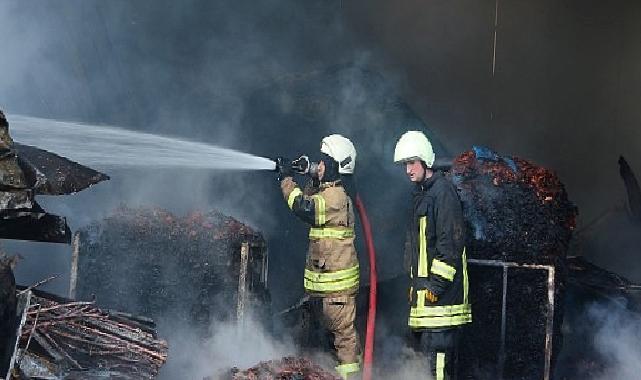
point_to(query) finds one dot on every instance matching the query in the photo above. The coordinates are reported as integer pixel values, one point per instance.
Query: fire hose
(368, 357)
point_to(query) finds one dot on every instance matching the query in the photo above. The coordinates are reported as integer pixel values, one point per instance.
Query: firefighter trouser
(440, 346)
(337, 315)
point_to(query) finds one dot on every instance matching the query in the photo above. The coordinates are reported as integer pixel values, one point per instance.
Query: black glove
(284, 168)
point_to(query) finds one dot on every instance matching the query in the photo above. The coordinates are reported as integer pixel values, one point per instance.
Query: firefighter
(331, 271)
(438, 292)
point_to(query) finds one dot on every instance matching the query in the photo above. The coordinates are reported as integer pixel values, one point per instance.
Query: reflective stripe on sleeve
(442, 269)
(466, 282)
(292, 196)
(422, 247)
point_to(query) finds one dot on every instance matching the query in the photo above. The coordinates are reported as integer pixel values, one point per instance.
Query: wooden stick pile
(79, 337)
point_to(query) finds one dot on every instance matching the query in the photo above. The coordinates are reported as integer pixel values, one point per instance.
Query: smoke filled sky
(559, 86)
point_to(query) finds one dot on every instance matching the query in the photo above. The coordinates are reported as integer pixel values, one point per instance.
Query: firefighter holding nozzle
(331, 272)
(439, 304)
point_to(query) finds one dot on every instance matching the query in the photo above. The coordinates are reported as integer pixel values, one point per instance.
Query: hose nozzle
(301, 165)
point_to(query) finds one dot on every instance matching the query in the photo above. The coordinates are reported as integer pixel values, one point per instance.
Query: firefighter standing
(331, 270)
(439, 303)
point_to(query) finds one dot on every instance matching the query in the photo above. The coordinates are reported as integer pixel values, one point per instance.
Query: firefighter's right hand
(284, 168)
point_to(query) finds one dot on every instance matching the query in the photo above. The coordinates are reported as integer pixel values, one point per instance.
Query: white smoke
(617, 342)
(228, 345)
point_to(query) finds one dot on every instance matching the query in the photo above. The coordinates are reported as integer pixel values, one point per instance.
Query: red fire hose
(368, 357)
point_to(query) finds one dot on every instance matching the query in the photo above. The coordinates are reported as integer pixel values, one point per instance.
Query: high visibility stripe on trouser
(331, 233)
(440, 366)
(328, 282)
(347, 369)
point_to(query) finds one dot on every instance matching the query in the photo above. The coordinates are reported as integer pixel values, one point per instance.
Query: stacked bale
(150, 262)
(516, 212)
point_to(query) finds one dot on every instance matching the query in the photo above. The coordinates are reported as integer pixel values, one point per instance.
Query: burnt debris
(51, 174)
(27, 171)
(287, 368)
(191, 269)
(61, 338)
(514, 209)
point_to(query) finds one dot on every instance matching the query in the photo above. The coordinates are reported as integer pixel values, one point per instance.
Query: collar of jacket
(325, 185)
(428, 182)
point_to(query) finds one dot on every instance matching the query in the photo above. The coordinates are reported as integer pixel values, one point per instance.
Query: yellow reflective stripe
(422, 247)
(319, 209)
(465, 279)
(444, 270)
(440, 366)
(334, 286)
(346, 369)
(331, 233)
(440, 321)
(292, 196)
(331, 276)
(440, 311)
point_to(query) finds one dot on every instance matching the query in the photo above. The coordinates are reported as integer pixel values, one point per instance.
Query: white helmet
(342, 150)
(414, 145)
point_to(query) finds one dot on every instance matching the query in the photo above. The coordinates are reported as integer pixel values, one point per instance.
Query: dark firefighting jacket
(332, 265)
(437, 257)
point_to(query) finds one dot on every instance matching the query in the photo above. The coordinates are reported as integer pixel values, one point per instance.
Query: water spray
(113, 147)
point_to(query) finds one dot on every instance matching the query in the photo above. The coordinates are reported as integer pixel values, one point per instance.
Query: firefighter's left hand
(430, 297)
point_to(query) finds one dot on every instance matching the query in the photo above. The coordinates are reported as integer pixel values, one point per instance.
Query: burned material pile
(288, 368)
(190, 269)
(515, 210)
(60, 338)
(519, 225)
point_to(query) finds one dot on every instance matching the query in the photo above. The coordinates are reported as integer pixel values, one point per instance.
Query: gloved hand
(430, 297)
(284, 168)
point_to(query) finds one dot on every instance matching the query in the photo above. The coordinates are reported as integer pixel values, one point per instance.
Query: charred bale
(518, 212)
(514, 210)
(150, 262)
